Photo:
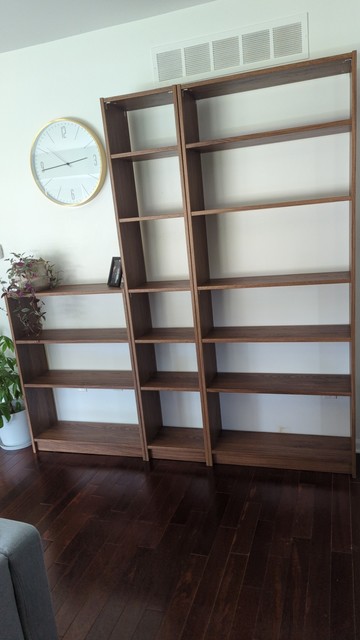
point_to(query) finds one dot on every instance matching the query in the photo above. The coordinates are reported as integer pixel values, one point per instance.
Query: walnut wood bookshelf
(48, 432)
(211, 441)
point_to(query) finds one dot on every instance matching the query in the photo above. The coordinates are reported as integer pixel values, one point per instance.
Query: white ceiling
(24, 23)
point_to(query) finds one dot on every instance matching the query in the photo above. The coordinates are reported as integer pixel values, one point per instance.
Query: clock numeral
(63, 131)
(95, 160)
(42, 166)
(72, 192)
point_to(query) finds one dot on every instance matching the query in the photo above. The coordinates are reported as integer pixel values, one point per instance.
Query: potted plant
(14, 429)
(27, 275)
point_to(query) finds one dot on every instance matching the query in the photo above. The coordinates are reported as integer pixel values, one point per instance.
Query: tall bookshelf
(216, 143)
(139, 166)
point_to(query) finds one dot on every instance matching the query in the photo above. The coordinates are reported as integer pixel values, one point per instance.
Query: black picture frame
(115, 273)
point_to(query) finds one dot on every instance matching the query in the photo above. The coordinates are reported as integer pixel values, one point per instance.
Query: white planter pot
(15, 434)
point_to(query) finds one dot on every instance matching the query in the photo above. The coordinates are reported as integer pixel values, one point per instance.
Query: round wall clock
(68, 162)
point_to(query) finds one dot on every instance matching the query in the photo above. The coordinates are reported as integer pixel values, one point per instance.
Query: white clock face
(68, 162)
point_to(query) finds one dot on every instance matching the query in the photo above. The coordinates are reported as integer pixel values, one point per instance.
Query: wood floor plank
(128, 558)
(222, 616)
(92, 599)
(246, 529)
(83, 553)
(208, 587)
(266, 488)
(246, 614)
(283, 524)
(355, 531)
(178, 609)
(176, 551)
(256, 567)
(292, 624)
(342, 621)
(138, 582)
(177, 542)
(340, 515)
(272, 598)
(197, 497)
(170, 495)
(238, 495)
(317, 615)
(148, 626)
(304, 511)
(210, 526)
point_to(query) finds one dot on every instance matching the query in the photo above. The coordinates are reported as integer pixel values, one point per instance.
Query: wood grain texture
(172, 381)
(285, 280)
(274, 204)
(268, 137)
(79, 290)
(288, 333)
(176, 551)
(260, 79)
(286, 451)
(292, 383)
(168, 335)
(75, 336)
(56, 378)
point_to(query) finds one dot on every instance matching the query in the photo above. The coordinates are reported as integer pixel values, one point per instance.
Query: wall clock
(68, 162)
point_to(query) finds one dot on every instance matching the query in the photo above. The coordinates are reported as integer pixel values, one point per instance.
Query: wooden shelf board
(141, 99)
(172, 381)
(89, 437)
(159, 216)
(282, 383)
(288, 333)
(63, 336)
(285, 280)
(178, 443)
(82, 379)
(271, 77)
(254, 206)
(162, 285)
(270, 137)
(79, 290)
(170, 335)
(147, 154)
(286, 451)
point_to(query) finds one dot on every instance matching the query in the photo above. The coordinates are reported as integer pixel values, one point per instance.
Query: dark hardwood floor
(178, 551)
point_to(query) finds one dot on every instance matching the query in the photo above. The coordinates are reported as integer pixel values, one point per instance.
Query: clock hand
(64, 163)
(58, 156)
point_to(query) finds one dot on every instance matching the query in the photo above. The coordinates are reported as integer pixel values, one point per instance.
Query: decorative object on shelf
(27, 275)
(68, 162)
(14, 429)
(115, 274)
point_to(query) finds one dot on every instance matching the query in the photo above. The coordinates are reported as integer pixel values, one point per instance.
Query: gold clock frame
(98, 142)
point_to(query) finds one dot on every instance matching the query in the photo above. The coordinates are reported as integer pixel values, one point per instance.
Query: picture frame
(115, 273)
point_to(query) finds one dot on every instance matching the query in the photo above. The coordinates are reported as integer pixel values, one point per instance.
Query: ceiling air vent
(279, 41)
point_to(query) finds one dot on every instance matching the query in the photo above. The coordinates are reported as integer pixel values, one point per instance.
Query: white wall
(67, 78)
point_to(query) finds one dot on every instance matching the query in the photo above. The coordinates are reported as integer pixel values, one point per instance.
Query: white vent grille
(282, 40)
(226, 53)
(197, 59)
(256, 46)
(287, 40)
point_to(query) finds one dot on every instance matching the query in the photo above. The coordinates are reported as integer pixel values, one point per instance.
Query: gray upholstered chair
(25, 605)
